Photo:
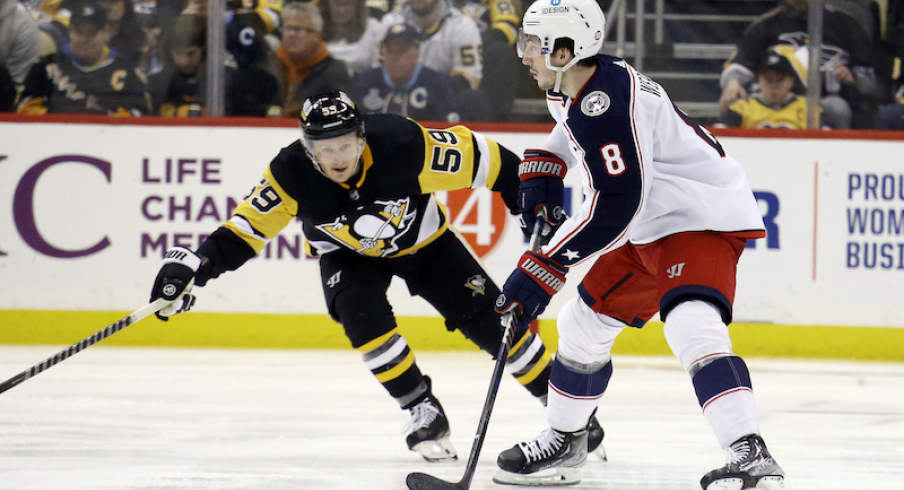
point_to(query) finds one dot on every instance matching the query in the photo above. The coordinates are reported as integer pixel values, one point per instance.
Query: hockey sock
(725, 393)
(721, 376)
(574, 392)
(529, 362)
(391, 361)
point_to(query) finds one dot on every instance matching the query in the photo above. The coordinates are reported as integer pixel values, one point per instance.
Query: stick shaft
(73, 349)
(490, 401)
(421, 481)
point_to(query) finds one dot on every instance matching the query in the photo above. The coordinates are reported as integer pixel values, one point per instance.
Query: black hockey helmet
(329, 115)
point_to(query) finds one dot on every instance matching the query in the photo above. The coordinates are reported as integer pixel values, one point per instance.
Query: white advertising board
(88, 209)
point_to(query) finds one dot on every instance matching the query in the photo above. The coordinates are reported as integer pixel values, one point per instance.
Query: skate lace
(739, 451)
(422, 415)
(543, 446)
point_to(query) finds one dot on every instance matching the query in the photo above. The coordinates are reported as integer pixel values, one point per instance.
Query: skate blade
(600, 453)
(558, 476)
(771, 483)
(730, 483)
(437, 451)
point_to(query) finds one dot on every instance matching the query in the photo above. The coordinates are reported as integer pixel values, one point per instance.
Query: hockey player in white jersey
(666, 214)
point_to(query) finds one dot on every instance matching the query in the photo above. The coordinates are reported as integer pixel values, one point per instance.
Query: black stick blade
(423, 481)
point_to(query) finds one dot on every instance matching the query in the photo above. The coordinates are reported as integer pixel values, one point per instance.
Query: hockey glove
(542, 191)
(174, 281)
(527, 291)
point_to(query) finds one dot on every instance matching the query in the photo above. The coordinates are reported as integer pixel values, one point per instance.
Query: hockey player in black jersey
(368, 212)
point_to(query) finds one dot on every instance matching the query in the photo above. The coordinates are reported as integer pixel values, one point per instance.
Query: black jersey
(59, 84)
(388, 210)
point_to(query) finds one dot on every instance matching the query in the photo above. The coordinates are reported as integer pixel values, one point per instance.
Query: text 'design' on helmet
(582, 21)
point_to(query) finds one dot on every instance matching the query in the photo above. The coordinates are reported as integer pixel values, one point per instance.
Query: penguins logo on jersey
(477, 285)
(595, 103)
(375, 231)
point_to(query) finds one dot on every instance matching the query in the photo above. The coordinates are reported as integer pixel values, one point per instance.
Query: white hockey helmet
(582, 21)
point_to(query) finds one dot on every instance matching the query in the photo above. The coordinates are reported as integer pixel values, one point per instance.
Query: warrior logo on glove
(550, 281)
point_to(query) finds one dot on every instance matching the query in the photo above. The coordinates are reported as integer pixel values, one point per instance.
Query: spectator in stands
(179, 88)
(127, 36)
(302, 65)
(86, 76)
(350, 33)
(451, 40)
(403, 85)
(498, 22)
(891, 116)
(775, 105)
(848, 64)
(264, 16)
(20, 44)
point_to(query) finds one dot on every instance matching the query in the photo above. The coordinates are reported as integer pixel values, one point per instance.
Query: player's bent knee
(586, 336)
(696, 333)
(483, 329)
(363, 314)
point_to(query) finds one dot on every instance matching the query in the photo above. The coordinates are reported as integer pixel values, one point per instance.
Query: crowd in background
(432, 60)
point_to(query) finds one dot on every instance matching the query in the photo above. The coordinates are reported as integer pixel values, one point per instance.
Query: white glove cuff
(184, 256)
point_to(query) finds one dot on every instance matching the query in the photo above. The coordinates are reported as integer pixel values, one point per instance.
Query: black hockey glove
(174, 281)
(527, 291)
(542, 191)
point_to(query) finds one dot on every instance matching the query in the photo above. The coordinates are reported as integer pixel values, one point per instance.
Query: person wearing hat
(775, 104)
(86, 76)
(403, 85)
(850, 63)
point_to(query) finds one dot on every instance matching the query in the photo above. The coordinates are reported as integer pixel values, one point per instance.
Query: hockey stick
(64, 354)
(423, 481)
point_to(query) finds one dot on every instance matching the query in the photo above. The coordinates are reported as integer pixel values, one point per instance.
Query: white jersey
(647, 169)
(363, 54)
(453, 45)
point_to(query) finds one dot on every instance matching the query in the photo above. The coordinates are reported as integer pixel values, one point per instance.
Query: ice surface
(132, 418)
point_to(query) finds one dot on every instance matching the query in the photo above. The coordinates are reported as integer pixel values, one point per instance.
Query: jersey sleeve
(37, 88)
(458, 158)
(263, 214)
(611, 153)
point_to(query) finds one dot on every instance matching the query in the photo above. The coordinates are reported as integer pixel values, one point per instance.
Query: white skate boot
(749, 466)
(553, 458)
(428, 431)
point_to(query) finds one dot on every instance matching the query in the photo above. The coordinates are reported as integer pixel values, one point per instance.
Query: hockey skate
(553, 458)
(428, 431)
(749, 466)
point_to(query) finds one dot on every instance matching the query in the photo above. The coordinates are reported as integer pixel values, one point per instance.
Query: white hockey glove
(174, 281)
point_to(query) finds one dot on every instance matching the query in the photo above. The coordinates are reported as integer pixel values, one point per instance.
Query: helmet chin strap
(560, 70)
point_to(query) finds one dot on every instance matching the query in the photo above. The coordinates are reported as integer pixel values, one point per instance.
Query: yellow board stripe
(396, 371)
(271, 331)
